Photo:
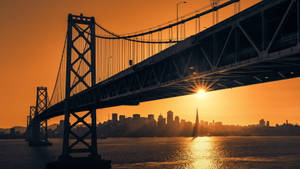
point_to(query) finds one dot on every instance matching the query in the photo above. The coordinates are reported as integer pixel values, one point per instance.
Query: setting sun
(201, 93)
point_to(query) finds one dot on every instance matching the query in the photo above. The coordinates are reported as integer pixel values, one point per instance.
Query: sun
(201, 93)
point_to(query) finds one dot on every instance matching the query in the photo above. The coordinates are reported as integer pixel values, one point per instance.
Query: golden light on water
(202, 154)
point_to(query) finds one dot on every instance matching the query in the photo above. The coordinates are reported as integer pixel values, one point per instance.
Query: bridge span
(258, 45)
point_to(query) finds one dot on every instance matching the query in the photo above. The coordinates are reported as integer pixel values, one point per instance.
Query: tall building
(169, 117)
(176, 120)
(114, 117)
(182, 122)
(161, 121)
(195, 131)
(151, 116)
(268, 123)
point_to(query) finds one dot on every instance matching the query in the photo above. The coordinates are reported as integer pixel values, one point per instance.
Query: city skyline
(165, 126)
(115, 117)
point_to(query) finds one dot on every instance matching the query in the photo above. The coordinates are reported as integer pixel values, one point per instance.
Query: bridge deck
(261, 44)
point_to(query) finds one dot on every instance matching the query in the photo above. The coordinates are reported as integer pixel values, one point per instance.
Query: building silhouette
(169, 118)
(161, 122)
(176, 121)
(196, 126)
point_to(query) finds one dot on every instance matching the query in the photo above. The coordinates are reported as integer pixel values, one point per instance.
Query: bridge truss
(101, 69)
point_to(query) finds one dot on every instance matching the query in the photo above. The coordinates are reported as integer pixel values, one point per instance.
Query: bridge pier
(38, 138)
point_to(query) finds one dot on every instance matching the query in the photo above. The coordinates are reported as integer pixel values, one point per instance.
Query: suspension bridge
(100, 68)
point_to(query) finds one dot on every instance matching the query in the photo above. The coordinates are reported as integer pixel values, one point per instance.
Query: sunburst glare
(201, 93)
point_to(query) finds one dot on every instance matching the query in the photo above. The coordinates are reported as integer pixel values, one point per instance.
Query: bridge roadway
(261, 44)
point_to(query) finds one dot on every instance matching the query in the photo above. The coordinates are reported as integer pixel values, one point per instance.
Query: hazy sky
(32, 36)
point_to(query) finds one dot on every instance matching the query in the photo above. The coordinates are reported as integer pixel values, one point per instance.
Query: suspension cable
(163, 28)
(59, 68)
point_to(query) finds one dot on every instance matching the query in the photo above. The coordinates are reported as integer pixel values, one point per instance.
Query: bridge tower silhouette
(28, 132)
(80, 27)
(38, 132)
(31, 113)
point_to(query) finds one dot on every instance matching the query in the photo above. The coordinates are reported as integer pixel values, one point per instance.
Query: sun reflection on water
(203, 155)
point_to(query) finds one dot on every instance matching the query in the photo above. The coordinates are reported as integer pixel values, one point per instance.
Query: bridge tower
(82, 29)
(39, 129)
(28, 133)
(80, 50)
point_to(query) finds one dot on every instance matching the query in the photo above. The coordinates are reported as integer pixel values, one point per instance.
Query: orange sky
(32, 35)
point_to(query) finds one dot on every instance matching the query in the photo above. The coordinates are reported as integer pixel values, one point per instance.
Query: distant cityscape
(137, 126)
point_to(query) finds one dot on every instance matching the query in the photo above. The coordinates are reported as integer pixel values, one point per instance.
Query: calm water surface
(169, 153)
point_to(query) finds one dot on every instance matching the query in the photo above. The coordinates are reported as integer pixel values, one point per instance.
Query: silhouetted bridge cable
(104, 69)
(58, 93)
(138, 46)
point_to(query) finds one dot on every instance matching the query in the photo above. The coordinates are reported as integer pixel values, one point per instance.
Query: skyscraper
(169, 118)
(161, 121)
(176, 120)
(195, 131)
